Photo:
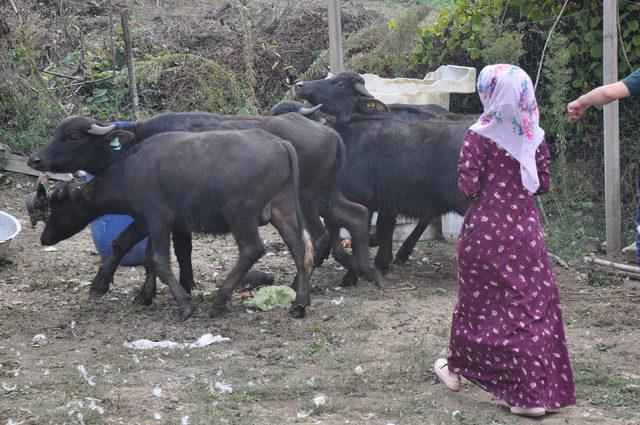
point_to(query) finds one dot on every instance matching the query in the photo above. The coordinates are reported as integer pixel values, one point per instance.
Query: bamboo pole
(133, 89)
(611, 130)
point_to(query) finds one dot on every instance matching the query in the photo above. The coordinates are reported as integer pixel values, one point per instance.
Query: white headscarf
(511, 117)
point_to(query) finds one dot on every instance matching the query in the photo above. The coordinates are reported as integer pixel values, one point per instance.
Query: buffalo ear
(124, 135)
(42, 192)
(117, 138)
(372, 106)
(82, 192)
(60, 193)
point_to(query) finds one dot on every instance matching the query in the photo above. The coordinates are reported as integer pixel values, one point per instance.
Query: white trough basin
(435, 88)
(9, 229)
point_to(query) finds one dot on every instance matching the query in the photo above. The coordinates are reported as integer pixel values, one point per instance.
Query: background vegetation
(66, 57)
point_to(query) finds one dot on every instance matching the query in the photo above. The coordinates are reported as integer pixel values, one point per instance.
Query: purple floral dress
(507, 332)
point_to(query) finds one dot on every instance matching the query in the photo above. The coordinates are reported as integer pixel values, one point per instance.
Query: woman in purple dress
(507, 334)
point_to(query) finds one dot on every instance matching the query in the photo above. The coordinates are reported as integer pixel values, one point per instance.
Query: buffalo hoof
(401, 258)
(297, 311)
(187, 285)
(142, 299)
(384, 268)
(96, 291)
(374, 275)
(349, 279)
(187, 311)
(216, 310)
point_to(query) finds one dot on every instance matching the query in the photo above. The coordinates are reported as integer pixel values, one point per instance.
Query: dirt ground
(370, 356)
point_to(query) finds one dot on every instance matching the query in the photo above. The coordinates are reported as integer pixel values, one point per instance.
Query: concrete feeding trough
(9, 229)
(435, 88)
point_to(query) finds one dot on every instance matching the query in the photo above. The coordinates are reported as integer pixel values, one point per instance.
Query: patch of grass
(206, 296)
(600, 387)
(599, 279)
(574, 229)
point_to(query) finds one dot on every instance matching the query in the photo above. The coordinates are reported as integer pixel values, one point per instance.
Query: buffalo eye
(74, 137)
(340, 83)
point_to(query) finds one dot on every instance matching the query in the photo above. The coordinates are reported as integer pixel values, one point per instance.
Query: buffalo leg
(251, 248)
(162, 266)
(285, 220)
(407, 246)
(121, 245)
(373, 237)
(341, 256)
(318, 232)
(384, 226)
(148, 291)
(183, 247)
(354, 218)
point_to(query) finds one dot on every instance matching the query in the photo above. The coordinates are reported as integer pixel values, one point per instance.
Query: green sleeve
(632, 82)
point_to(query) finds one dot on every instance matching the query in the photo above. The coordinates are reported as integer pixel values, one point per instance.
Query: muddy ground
(370, 356)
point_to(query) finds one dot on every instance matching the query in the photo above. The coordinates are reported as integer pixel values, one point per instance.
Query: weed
(599, 279)
(599, 386)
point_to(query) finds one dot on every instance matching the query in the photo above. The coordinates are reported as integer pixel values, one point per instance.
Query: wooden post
(133, 89)
(611, 130)
(114, 63)
(335, 37)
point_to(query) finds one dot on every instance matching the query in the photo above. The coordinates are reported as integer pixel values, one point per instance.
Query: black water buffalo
(431, 113)
(81, 143)
(197, 182)
(393, 166)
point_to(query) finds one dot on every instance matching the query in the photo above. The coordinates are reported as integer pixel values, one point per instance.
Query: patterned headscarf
(511, 117)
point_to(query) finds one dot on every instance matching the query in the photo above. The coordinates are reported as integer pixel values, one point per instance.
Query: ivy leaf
(633, 25)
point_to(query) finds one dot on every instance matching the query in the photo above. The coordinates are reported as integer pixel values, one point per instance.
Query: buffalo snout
(35, 162)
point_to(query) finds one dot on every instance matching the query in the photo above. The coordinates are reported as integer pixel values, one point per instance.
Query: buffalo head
(71, 211)
(343, 96)
(80, 143)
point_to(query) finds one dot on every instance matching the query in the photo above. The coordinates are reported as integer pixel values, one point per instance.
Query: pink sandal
(451, 380)
(531, 412)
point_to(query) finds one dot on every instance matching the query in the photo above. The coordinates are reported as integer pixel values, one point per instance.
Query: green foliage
(384, 49)
(185, 82)
(479, 32)
(472, 32)
(27, 114)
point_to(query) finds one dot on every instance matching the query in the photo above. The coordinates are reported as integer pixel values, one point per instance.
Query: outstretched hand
(576, 110)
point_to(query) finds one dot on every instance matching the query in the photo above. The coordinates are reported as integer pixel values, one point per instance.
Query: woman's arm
(543, 163)
(472, 158)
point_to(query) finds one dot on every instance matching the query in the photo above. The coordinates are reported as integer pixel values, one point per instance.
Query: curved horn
(360, 88)
(309, 111)
(101, 131)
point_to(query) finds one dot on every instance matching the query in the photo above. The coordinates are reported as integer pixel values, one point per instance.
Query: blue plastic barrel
(106, 228)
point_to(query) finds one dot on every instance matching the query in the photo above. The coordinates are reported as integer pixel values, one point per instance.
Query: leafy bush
(480, 32)
(384, 49)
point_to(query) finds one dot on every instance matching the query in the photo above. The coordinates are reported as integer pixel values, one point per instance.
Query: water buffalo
(197, 182)
(430, 113)
(82, 143)
(394, 166)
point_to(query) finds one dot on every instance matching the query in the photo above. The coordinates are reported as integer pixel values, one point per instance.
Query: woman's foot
(451, 380)
(531, 412)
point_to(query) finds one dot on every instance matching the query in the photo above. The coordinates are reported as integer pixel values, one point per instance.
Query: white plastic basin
(435, 88)
(9, 229)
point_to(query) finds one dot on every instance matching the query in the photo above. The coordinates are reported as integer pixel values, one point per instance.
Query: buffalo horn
(309, 111)
(360, 88)
(100, 130)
